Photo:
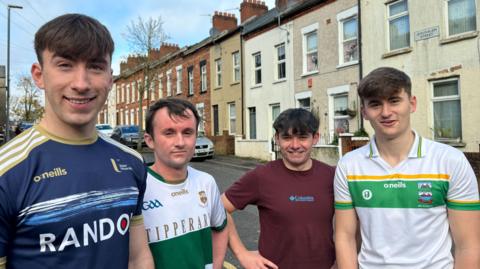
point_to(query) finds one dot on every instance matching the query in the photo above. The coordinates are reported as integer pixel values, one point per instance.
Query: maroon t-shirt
(296, 213)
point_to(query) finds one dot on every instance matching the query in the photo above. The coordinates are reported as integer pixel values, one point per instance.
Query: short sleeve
(463, 187)
(141, 184)
(218, 217)
(6, 216)
(343, 199)
(244, 191)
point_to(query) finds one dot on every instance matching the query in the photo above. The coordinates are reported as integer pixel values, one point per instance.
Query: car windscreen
(130, 129)
(104, 127)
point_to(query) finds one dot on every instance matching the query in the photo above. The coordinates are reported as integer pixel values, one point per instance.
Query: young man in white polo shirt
(410, 195)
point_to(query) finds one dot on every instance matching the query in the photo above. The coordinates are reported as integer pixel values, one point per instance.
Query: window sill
(234, 83)
(217, 88)
(280, 81)
(459, 37)
(454, 144)
(256, 86)
(203, 92)
(397, 52)
(309, 73)
(343, 65)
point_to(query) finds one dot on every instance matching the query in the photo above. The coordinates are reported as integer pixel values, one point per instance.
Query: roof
(273, 14)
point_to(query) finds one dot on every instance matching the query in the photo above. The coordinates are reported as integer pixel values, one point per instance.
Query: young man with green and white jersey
(411, 196)
(184, 216)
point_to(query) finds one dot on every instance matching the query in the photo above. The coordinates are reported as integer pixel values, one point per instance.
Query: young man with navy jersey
(69, 197)
(184, 216)
(411, 196)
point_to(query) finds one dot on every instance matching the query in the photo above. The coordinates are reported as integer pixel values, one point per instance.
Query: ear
(316, 137)
(277, 138)
(37, 75)
(413, 104)
(149, 140)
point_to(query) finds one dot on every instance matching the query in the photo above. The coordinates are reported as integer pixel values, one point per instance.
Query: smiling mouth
(79, 101)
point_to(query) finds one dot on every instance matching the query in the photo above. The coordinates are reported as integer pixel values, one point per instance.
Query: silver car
(204, 148)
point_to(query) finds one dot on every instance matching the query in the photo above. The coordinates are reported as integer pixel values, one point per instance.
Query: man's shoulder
(120, 148)
(199, 176)
(20, 148)
(321, 165)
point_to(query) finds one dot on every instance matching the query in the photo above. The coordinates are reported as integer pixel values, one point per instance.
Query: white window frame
(446, 98)
(203, 76)
(132, 116)
(179, 79)
(169, 82)
(305, 32)
(396, 16)
(236, 66)
(122, 96)
(201, 112)
(146, 91)
(303, 95)
(332, 93)
(218, 73)
(256, 68)
(160, 85)
(342, 17)
(129, 92)
(279, 62)
(230, 118)
(190, 75)
(447, 28)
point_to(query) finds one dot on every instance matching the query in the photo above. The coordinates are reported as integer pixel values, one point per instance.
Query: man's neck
(68, 132)
(170, 175)
(394, 151)
(301, 167)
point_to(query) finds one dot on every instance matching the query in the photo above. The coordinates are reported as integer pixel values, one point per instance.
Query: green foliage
(361, 133)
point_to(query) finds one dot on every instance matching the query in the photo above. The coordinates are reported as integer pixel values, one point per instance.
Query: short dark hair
(175, 106)
(300, 121)
(384, 82)
(74, 36)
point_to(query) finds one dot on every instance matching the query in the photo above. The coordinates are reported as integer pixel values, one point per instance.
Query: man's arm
(248, 259)
(140, 256)
(219, 245)
(345, 238)
(465, 229)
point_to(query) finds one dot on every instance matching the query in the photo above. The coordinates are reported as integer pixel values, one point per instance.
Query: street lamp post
(7, 125)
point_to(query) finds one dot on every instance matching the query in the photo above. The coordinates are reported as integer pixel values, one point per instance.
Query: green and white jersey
(403, 210)
(179, 219)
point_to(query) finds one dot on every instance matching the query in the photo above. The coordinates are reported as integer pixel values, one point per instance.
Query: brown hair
(74, 36)
(384, 82)
(175, 106)
(300, 121)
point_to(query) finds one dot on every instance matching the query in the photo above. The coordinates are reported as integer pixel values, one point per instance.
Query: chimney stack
(281, 5)
(222, 21)
(165, 49)
(250, 8)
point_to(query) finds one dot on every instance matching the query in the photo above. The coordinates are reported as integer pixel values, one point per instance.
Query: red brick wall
(224, 21)
(250, 8)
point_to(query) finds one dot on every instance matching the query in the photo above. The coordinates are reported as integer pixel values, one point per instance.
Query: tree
(27, 106)
(143, 36)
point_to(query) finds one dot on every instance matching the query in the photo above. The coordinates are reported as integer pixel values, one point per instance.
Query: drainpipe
(360, 61)
(242, 86)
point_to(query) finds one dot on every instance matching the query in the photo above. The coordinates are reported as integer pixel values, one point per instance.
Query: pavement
(230, 160)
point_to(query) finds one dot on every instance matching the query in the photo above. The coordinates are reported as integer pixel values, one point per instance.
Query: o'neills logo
(56, 172)
(90, 233)
(178, 193)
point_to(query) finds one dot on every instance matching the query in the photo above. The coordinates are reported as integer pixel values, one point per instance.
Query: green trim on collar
(162, 179)
(419, 149)
(371, 150)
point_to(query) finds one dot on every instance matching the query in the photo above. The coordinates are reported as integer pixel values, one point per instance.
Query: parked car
(24, 126)
(127, 135)
(204, 147)
(105, 129)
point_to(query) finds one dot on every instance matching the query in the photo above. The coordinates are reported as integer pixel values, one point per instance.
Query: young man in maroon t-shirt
(294, 197)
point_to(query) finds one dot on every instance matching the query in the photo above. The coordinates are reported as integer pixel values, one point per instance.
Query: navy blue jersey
(68, 204)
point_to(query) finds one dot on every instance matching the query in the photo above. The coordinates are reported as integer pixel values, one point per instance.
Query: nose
(80, 80)
(295, 143)
(386, 110)
(180, 141)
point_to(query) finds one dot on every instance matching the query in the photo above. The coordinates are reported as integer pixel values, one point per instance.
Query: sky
(185, 21)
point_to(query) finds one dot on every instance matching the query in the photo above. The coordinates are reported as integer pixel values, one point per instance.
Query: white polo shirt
(403, 210)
